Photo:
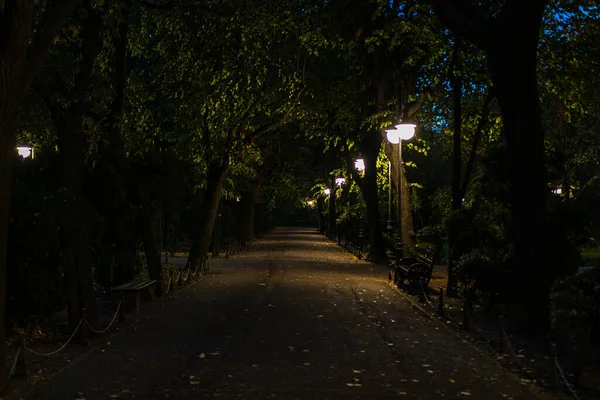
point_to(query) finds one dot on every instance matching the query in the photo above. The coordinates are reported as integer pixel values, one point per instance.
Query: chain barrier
(11, 371)
(60, 348)
(114, 318)
(569, 386)
(168, 289)
(178, 276)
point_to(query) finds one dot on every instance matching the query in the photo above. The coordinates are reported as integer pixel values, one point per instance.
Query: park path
(295, 317)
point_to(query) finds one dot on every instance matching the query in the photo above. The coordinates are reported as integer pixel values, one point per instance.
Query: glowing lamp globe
(393, 136)
(327, 192)
(340, 181)
(406, 131)
(24, 151)
(359, 164)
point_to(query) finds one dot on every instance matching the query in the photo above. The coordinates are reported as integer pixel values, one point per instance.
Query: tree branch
(45, 33)
(56, 111)
(276, 124)
(173, 5)
(462, 18)
(476, 139)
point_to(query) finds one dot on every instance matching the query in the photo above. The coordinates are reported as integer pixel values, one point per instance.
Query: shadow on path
(295, 317)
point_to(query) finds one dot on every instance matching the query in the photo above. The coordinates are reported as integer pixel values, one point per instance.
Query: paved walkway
(293, 318)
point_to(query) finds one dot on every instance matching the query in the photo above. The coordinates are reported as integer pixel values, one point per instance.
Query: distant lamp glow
(340, 181)
(311, 203)
(24, 151)
(557, 191)
(359, 164)
(327, 192)
(238, 199)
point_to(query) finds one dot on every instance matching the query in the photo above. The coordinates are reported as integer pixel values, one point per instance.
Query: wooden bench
(135, 291)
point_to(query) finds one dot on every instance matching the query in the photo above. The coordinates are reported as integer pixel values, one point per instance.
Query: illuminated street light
(327, 192)
(24, 151)
(557, 191)
(359, 164)
(311, 203)
(340, 181)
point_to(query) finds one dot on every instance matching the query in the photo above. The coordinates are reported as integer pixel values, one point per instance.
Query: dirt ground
(295, 317)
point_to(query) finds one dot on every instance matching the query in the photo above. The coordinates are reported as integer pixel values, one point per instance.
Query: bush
(575, 309)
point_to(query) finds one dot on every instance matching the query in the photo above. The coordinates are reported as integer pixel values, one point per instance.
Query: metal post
(441, 302)
(555, 381)
(21, 364)
(399, 212)
(83, 329)
(390, 228)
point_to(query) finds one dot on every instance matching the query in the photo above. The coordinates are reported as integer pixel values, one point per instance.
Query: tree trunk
(73, 147)
(7, 154)
(370, 194)
(150, 249)
(369, 148)
(22, 51)
(320, 206)
(248, 212)
(515, 81)
(332, 217)
(407, 225)
(216, 176)
(453, 231)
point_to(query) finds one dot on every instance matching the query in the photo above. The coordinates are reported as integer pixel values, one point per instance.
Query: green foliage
(576, 309)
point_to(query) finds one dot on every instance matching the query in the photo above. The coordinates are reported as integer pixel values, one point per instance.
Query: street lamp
(359, 164)
(340, 181)
(24, 151)
(327, 191)
(403, 131)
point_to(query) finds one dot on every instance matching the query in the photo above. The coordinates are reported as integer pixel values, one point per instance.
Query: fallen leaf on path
(194, 382)
(451, 381)
(465, 393)
(202, 355)
(356, 371)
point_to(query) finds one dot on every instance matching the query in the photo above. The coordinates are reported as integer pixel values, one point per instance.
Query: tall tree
(510, 39)
(24, 43)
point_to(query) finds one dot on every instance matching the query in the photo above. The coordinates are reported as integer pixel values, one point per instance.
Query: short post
(21, 366)
(501, 332)
(466, 314)
(555, 380)
(122, 306)
(83, 329)
(422, 294)
(441, 303)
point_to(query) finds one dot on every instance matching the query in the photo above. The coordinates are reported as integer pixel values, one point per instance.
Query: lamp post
(403, 131)
(359, 164)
